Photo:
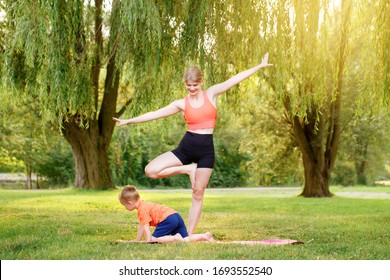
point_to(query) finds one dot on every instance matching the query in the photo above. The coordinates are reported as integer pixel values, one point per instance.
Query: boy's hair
(128, 193)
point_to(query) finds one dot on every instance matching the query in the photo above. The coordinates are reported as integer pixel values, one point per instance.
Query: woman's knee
(151, 171)
(198, 193)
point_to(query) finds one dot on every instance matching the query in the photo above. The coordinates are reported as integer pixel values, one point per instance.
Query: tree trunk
(316, 179)
(361, 160)
(360, 168)
(91, 155)
(317, 161)
(28, 176)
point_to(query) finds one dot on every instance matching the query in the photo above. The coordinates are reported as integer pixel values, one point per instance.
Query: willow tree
(314, 40)
(309, 43)
(84, 62)
(310, 84)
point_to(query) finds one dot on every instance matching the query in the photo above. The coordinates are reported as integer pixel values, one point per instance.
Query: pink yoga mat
(267, 242)
(243, 242)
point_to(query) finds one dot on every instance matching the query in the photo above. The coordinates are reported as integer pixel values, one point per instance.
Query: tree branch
(335, 127)
(111, 85)
(98, 51)
(123, 109)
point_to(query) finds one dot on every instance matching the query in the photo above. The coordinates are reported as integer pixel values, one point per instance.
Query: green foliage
(374, 59)
(9, 163)
(265, 137)
(344, 174)
(43, 58)
(134, 147)
(364, 143)
(57, 166)
(365, 149)
(27, 145)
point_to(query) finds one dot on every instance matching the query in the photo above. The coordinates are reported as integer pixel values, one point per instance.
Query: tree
(22, 139)
(318, 137)
(311, 97)
(77, 59)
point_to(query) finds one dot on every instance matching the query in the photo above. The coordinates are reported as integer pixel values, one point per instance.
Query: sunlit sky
(2, 15)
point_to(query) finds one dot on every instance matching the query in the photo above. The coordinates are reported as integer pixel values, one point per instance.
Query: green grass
(81, 225)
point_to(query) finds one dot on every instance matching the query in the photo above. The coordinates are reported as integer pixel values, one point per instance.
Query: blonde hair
(193, 74)
(128, 193)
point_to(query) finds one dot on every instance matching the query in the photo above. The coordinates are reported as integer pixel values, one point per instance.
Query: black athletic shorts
(198, 148)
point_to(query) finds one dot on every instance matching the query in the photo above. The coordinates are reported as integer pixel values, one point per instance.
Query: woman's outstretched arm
(169, 110)
(218, 89)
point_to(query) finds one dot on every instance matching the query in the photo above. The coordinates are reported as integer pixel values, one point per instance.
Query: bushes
(57, 166)
(344, 174)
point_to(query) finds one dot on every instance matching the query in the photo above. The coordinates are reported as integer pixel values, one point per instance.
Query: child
(169, 224)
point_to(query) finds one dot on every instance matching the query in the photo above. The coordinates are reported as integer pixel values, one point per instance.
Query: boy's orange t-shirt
(152, 213)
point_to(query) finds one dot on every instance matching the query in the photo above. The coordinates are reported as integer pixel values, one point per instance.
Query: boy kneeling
(169, 224)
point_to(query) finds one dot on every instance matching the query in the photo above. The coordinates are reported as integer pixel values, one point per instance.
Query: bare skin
(167, 164)
(144, 230)
(207, 237)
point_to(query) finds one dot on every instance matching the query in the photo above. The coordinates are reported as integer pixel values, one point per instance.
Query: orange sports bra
(202, 117)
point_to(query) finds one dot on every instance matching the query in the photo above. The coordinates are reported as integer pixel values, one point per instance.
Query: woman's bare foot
(191, 173)
(209, 237)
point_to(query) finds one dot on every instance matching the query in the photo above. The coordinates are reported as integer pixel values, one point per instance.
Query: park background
(317, 119)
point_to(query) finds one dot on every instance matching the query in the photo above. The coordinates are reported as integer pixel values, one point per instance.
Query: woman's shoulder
(179, 103)
(211, 95)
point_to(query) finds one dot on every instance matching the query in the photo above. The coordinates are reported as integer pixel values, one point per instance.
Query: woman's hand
(264, 62)
(217, 89)
(120, 122)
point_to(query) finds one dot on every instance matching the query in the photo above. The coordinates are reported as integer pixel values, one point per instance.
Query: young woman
(195, 154)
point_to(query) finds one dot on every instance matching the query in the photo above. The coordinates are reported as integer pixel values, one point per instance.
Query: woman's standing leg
(202, 177)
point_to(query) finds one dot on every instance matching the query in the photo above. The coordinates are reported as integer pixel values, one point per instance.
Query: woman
(195, 154)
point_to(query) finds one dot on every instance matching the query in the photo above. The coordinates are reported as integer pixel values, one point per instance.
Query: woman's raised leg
(167, 165)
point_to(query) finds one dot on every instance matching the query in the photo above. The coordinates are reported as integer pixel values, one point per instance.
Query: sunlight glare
(335, 4)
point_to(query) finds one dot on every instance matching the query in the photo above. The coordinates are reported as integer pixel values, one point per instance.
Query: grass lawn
(73, 224)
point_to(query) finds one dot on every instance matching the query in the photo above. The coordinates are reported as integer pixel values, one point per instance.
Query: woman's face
(193, 87)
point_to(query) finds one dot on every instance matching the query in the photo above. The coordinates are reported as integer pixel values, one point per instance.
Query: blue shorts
(198, 148)
(170, 226)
